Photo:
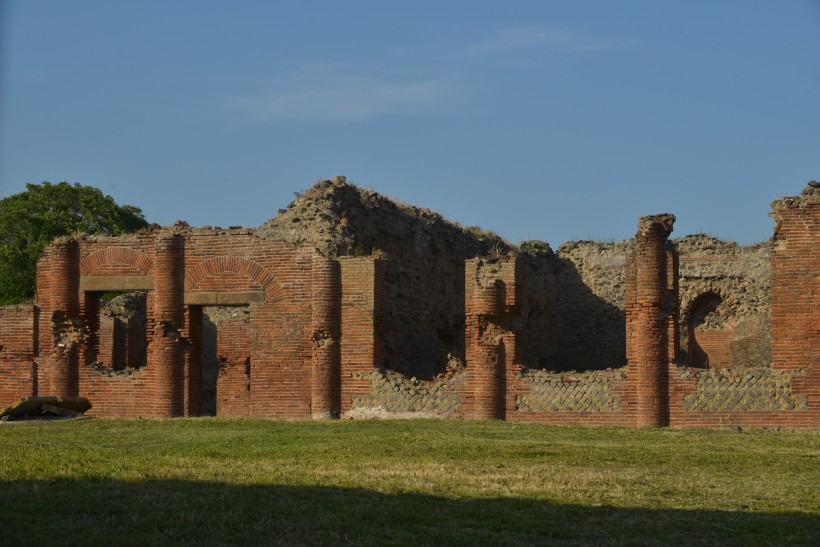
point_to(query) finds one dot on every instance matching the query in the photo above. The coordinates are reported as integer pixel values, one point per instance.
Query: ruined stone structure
(348, 304)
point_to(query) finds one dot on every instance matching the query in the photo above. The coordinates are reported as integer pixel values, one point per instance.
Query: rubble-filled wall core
(348, 304)
(724, 303)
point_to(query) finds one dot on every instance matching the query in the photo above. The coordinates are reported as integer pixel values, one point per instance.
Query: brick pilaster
(165, 351)
(325, 379)
(650, 317)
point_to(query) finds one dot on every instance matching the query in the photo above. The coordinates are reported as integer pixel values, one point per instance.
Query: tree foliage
(32, 219)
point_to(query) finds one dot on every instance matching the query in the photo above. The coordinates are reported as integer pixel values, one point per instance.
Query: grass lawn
(217, 481)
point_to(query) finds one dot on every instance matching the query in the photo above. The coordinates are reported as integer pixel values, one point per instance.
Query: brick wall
(362, 345)
(179, 266)
(18, 377)
(309, 340)
(710, 348)
(233, 351)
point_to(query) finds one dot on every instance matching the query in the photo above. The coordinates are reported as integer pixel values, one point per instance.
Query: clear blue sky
(551, 120)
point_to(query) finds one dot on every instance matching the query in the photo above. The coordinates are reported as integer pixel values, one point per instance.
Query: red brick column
(62, 309)
(491, 298)
(487, 367)
(651, 320)
(325, 381)
(164, 354)
(486, 379)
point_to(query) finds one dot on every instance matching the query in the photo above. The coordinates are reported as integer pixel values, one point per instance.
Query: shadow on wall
(423, 311)
(210, 366)
(210, 512)
(701, 309)
(591, 331)
(713, 336)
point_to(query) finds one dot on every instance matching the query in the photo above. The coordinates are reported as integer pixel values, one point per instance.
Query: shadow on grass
(182, 512)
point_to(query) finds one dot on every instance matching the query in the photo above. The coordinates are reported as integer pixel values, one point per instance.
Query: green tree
(32, 219)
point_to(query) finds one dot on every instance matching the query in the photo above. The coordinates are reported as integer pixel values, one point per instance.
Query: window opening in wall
(119, 333)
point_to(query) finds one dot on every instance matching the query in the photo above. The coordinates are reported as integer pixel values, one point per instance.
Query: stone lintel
(223, 298)
(105, 283)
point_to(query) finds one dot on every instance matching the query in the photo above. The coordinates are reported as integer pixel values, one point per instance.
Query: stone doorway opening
(226, 360)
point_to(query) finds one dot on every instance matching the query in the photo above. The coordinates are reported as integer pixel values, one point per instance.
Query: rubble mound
(342, 219)
(424, 256)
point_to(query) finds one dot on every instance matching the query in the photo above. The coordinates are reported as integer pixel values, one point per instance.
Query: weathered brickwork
(590, 300)
(724, 303)
(237, 322)
(492, 307)
(571, 392)
(795, 291)
(394, 392)
(18, 373)
(651, 316)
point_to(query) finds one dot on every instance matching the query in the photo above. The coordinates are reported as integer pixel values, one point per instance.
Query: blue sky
(551, 120)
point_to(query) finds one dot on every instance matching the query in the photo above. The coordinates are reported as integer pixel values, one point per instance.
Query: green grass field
(218, 481)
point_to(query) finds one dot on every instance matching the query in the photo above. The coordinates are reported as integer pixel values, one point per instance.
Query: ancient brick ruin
(349, 304)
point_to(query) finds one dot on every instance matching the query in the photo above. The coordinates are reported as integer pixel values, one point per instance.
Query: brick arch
(710, 348)
(116, 256)
(703, 292)
(241, 266)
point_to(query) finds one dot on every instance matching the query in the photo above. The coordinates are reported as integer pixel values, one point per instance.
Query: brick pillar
(106, 339)
(650, 317)
(325, 396)
(165, 351)
(486, 370)
(362, 344)
(795, 281)
(492, 306)
(193, 361)
(63, 307)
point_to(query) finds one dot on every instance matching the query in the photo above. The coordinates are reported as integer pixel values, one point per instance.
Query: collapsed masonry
(349, 304)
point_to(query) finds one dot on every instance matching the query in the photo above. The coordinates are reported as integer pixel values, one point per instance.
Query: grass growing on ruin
(402, 482)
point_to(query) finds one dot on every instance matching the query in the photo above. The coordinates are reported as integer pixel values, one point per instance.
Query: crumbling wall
(423, 256)
(724, 302)
(590, 287)
(743, 390)
(493, 317)
(593, 391)
(391, 392)
(240, 322)
(538, 322)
